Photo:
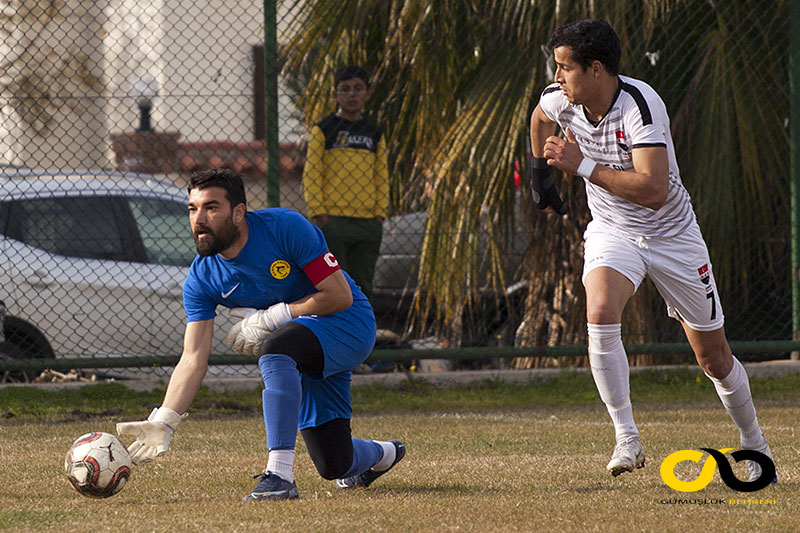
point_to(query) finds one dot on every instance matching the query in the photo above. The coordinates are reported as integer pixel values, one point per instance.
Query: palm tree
(455, 83)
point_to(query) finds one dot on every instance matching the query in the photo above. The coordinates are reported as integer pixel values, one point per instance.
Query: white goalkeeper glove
(247, 335)
(152, 435)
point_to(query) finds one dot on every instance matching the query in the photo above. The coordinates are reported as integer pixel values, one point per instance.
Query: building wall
(77, 59)
(52, 111)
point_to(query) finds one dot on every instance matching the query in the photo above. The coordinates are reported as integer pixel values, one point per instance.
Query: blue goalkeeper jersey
(268, 270)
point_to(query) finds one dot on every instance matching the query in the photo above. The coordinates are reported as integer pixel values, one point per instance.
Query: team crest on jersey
(621, 141)
(704, 274)
(279, 269)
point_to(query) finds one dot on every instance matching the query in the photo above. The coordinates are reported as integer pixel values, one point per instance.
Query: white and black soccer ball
(98, 465)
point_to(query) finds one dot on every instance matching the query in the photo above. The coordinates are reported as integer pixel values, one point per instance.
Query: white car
(92, 264)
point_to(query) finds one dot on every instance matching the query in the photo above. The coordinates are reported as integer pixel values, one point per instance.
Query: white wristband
(586, 168)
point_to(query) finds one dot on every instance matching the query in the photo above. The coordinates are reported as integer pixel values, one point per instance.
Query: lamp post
(144, 90)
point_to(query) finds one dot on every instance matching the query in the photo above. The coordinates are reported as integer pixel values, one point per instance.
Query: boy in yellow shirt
(346, 179)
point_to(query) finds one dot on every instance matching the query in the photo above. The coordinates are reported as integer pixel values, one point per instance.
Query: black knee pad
(299, 343)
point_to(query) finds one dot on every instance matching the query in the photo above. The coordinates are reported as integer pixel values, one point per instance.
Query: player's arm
(154, 434)
(540, 174)
(191, 368)
(647, 185)
(541, 128)
(333, 295)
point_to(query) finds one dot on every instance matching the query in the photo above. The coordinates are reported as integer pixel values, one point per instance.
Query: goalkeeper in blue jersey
(304, 318)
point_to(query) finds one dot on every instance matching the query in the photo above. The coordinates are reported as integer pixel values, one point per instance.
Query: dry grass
(515, 470)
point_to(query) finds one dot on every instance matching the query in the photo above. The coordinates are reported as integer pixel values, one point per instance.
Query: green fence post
(794, 151)
(271, 104)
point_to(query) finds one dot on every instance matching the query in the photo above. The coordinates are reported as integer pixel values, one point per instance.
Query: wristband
(586, 168)
(544, 191)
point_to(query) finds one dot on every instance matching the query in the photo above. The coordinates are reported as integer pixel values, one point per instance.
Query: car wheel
(23, 341)
(27, 338)
(12, 351)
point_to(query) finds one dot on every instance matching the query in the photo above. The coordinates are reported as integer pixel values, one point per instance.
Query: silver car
(92, 264)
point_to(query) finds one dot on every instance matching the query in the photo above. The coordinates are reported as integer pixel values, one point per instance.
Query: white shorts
(679, 267)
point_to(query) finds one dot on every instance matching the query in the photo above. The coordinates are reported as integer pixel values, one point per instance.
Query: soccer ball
(98, 465)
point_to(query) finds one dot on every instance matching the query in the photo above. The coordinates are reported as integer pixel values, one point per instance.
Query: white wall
(56, 58)
(199, 52)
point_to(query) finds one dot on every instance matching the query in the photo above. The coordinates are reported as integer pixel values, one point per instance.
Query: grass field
(488, 457)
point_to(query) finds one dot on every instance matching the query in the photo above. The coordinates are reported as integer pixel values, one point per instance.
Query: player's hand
(564, 154)
(268, 319)
(246, 336)
(152, 435)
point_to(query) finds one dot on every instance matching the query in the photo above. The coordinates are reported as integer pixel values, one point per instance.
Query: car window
(164, 228)
(73, 227)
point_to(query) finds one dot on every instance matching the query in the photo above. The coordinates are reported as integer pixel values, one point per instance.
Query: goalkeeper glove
(152, 435)
(247, 335)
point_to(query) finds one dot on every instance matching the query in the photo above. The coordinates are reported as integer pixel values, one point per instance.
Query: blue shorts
(347, 339)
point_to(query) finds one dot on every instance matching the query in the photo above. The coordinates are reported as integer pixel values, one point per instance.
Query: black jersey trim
(551, 89)
(641, 103)
(649, 145)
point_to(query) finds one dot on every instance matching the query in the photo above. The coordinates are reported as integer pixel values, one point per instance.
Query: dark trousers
(356, 243)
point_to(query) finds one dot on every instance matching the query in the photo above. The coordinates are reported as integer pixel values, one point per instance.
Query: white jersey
(637, 118)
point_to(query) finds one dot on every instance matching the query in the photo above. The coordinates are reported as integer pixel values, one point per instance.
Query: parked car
(396, 278)
(92, 264)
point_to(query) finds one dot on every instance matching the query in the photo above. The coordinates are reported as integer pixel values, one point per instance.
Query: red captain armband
(321, 267)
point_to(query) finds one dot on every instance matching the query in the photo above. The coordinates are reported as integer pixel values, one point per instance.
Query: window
(164, 228)
(73, 227)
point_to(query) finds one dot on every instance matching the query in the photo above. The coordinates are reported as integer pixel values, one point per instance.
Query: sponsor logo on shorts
(705, 276)
(279, 269)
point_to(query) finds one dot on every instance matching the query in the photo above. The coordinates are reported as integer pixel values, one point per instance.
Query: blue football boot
(366, 478)
(272, 487)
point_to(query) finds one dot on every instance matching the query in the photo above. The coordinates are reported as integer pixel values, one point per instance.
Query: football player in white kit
(617, 138)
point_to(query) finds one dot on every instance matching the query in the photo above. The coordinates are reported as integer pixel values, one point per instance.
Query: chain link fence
(109, 106)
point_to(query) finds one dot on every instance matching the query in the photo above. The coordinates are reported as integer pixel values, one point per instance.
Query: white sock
(734, 391)
(389, 454)
(610, 370)
(281, 463)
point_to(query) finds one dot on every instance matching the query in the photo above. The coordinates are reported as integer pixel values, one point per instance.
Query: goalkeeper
(301, 314)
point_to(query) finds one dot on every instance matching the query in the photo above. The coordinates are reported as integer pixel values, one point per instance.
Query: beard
(212, 242)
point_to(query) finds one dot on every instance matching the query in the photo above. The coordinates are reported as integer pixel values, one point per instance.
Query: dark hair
(590, 40)
(350, 72)
(220, 177)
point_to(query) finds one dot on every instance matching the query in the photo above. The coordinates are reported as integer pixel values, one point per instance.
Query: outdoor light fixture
(144, 90)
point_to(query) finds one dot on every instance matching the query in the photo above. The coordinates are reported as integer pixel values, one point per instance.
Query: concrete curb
(438, 379)
(463, 377)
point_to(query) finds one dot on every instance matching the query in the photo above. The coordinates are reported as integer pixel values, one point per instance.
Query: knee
(602, 312)
(275, 364)
(715, 362)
